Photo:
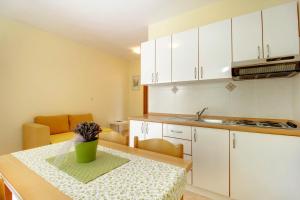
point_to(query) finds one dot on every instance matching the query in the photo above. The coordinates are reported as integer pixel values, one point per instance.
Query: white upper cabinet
(148, 62)
(163, 60)
(215, 50)
(264, 166)
(185, 56)
(210, 149)
(208, 52)
(280, 30)
(247, 37)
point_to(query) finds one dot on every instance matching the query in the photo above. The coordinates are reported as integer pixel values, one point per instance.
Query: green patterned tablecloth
(86, 172)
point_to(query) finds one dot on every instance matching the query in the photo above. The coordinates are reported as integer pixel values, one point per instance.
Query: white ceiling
(113, 25)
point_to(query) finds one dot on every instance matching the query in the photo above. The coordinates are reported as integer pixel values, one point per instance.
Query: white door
(137, 128)
(210, 149)
(148, 62)
(163, 60)
(264, 166)
(247, 37)
(153, 130)
(280, 30)
(185, 56)
(215, 50)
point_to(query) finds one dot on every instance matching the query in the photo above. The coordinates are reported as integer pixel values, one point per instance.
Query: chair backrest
(2, 189)
(160, 146)
(114, 137)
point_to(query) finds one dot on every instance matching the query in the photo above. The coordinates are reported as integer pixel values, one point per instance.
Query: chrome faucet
(199, 113)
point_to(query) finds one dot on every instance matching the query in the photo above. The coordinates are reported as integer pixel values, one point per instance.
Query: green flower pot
(86, 151)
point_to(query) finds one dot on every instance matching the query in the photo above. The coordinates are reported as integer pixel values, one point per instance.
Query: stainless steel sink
(204, 120)
(182, 119)
(212, 121)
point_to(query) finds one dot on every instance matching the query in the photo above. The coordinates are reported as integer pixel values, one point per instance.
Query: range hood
(287, 66)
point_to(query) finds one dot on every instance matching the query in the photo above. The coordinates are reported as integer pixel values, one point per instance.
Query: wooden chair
(2, 189)
(115, 137)
(160, 146)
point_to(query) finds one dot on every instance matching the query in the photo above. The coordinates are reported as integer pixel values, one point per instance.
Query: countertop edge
(273, 131)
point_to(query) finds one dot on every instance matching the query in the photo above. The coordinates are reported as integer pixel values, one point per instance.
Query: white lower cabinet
(210, 150)
(136, 128)
(144, 130)
(252, 166)
(264, 166)
(153, 130)
(178, 134)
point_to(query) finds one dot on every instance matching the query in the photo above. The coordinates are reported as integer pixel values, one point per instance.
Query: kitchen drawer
(187, 145)
(177, 131)
(190, 173)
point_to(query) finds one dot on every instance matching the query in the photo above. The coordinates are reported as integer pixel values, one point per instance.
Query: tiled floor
(192, 196)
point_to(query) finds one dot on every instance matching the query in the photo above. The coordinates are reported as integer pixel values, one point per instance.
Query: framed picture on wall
(135, 82)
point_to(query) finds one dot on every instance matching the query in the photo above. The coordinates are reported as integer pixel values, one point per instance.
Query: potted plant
(87, 137)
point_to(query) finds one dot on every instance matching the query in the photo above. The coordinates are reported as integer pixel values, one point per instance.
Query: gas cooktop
(265, 124)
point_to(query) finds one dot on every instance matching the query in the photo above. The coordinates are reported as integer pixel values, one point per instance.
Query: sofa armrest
(35, 135)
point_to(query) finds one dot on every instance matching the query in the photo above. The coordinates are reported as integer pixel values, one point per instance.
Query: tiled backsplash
(270, 98)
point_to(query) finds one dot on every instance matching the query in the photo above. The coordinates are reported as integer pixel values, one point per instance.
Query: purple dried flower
(88, 130)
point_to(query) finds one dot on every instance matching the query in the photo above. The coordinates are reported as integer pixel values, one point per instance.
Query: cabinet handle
(147, 128)
(195, 72)
(201, 72)
(268, 51)
(234, 141)
(173, 131)
(142, 127)
(258, 49)
(195, 135)
(152, 77)
(156, 77)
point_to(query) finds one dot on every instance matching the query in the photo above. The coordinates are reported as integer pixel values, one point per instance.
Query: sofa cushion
(76, 119)
(57, 124)
(69, 135)
(61, 137)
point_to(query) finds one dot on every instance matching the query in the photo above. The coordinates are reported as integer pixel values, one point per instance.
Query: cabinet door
(247, 37)
(185, 56)
(163, 60)
(153, 130)
(280, 35)
(264, 166)
(215, 50)
(147, 62)
(137, 128)
(210, 150)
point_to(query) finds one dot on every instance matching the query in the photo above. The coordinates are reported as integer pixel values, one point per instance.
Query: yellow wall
(217, 11)
(135, 96)
(42, 73)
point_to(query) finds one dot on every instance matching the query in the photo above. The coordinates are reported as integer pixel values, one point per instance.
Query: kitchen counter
(163, 118)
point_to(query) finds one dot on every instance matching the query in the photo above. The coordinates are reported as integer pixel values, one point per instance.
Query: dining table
(147, 175)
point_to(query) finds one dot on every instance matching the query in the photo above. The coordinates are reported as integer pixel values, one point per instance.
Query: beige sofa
(52, 129)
